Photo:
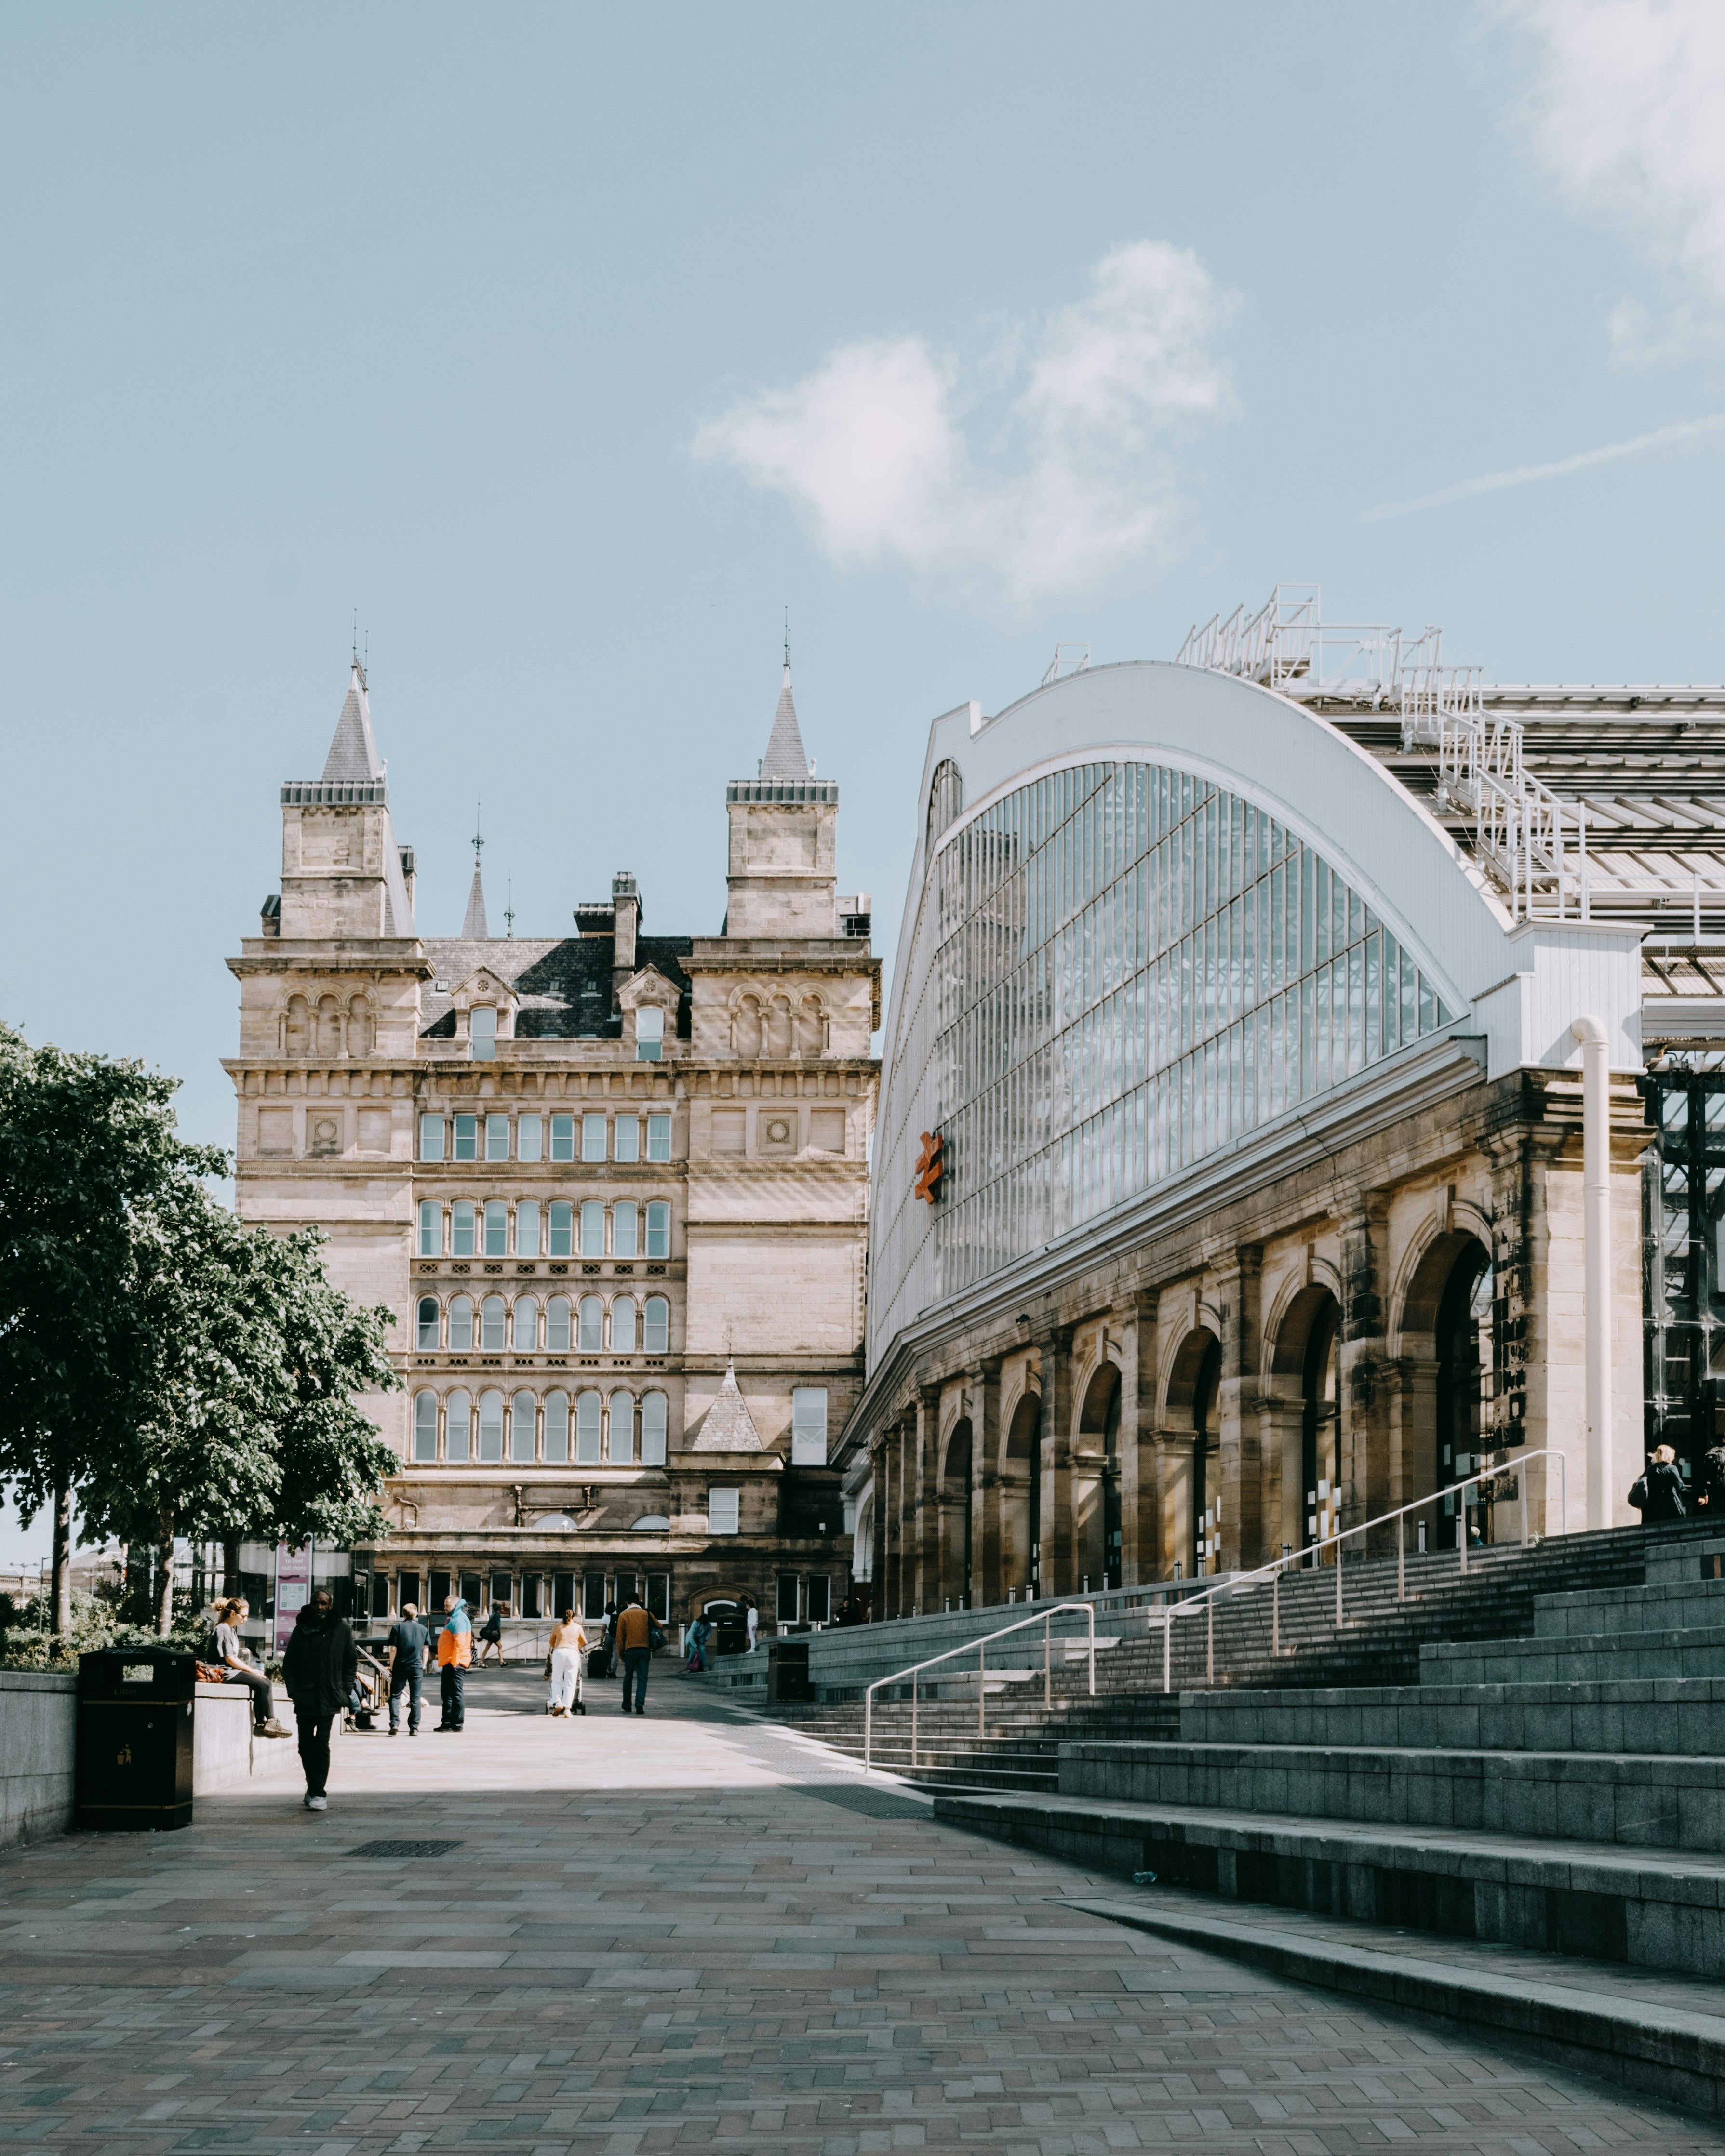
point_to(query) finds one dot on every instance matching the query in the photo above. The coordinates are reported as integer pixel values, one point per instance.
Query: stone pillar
(1237, 1422)
(1363, 1382)
(923, 1544)
(982, 1387)
(1133, 1322)
(877, 1532)
(1058, 1576)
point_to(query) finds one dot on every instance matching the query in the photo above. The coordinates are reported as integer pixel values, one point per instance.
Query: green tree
(87, 1150)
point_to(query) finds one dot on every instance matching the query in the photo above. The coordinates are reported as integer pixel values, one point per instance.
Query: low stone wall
(38, 1723)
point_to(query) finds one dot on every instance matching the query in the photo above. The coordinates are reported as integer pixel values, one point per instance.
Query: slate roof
(353, 753)
(727, 1425)
(473, 927)
(785, 757)
(564, 983)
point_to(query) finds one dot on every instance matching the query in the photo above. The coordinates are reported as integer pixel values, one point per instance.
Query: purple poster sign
(292, 1589)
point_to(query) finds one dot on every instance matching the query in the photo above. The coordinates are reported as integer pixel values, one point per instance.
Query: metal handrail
(980, 1647)
(1297, 1558)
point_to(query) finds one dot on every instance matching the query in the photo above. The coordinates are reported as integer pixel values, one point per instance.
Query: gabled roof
(353, 755)
(784, 757)
(727, 1425)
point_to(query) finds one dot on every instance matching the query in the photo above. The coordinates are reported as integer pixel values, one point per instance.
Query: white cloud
(1626, 114)
(1049, 463)
(1684, 435)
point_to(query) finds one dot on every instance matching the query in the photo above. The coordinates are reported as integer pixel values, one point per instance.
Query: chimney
(626, 903)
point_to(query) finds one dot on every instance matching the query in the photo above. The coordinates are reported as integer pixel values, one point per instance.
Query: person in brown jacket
(634, 1636)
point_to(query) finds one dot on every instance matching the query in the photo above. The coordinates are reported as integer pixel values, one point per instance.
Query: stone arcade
(613, 1185)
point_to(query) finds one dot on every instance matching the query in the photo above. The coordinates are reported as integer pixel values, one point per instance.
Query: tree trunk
(62, 1585)
(230, 1567)
(165, 1588)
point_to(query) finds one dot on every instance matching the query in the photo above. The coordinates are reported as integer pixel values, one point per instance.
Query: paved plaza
(688, 1931)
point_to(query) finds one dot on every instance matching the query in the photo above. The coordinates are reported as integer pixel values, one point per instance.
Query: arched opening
(1021, 1499)
(1321, 1425)
(1192, 1432)
(1095, 1480)
(1463, 1342)
(956, 1489)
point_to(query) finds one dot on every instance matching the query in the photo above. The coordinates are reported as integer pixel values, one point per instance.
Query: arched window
(779, 1026)
(520, 1427)
(491, 1326)
(562, 1230)
(588, 1414)
(622, 1325)
(329, 1026)
(461, 1228)
(497, 1227)
(654, 1417)
(527, 1228)
(623, 1228)
(361, 1028)
(458, 1426)
(650, 1036)
(490, 1426)
(620, 1449)
(482, 1032)
(592, 1229)
(655, 1326)
(461, 1326)
(593, 1325)
(746, 1028)
(812, 1034)
(428, 1322)
(651, 1523)
(557, 1426)
(658, 1229)
(431, 1228)
(527, 1325)
(298, 1025)
(425, 1426)
(556, 1325)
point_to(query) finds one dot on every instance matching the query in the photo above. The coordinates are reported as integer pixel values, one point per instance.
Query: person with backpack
(636, 1635)
(489, 1635)
(410, 1644)
(319, 1668)
(1710, 1498)
(1657, 1493)
(455, 1652)
(226, 1651)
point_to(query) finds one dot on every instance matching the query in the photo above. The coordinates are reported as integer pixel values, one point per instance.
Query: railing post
(916, 1686)
(982, 1686)
(1048, 1659)
(1276, 1614)
(1209, 1639)
(1168, 1647)
(1338, 1582)
(868, 1728)
(1092, 1650)
(1401, 1556)
(1461, 1524)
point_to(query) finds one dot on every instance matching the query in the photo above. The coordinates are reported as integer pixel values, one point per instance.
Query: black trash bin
(135, 1710)
(788, 1670)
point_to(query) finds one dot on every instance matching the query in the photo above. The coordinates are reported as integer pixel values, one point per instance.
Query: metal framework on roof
(1578, 803)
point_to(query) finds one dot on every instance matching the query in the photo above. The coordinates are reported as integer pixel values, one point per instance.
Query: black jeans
(636, 1663)
(262, 1695)
(454, 1711)
(411, 1679)
(315, 1749)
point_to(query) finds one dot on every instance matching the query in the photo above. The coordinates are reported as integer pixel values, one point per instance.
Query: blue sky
(570, 346)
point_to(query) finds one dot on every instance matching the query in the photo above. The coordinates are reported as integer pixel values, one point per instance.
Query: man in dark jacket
(319, 1668)
(1658, 1494)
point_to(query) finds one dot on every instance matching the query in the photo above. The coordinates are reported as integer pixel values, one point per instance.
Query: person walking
(319, 1668)
(491, 1634)
(410, 1649)
(634, 1635)
(699, 1632)
(231, 1654)
(568, 1646)
(607, 1639)
(1657, 1493)
(751, 1618)
(454, 1652)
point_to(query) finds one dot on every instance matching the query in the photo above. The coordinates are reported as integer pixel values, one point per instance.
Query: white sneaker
(317, 1803)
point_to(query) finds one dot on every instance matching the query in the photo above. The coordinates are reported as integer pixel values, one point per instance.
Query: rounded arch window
(426, 1322)
(425, 1426)
(458, 1426)
(461, 1228)
(522, 1417)
(589, 1423)
(652, 1523)
(556, 1325)
(655, 1326)
(497, 1227)
(560, 1243)
(557, 1426)
(622, 1325)
(654, 1416)
(491, 1323)
(620, 1438)
(593, 1325)
(461, 1324)
(527, 1324)
(490, 1426)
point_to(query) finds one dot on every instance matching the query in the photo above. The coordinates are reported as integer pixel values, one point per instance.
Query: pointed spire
(784, 757)
(473, 927)
(353, 756)
(727, 1425)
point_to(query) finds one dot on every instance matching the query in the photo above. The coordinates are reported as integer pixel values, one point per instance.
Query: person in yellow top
(568, 1645)
(455, 1652)
(634, 1635)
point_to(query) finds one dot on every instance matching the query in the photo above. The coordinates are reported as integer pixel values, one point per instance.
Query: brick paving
(685, 1933)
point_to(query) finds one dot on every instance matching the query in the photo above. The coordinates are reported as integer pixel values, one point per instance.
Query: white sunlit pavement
(685, 1931)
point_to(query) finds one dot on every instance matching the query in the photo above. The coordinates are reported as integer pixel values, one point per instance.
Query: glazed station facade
(1228, 1190)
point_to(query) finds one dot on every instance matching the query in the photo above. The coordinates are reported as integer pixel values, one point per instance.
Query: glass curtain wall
(1118, 970)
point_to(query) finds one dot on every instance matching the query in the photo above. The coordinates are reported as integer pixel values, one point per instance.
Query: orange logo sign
(931, 1166)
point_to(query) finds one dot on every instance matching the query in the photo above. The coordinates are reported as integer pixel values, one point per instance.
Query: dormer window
(649, 1034)
(482, 1032)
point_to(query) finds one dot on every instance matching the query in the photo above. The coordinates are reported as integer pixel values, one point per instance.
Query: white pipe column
(1596, 1229)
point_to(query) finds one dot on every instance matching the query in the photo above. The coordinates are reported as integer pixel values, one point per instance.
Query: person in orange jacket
(455, 1653)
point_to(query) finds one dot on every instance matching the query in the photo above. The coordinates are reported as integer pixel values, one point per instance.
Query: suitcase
(596, 1662)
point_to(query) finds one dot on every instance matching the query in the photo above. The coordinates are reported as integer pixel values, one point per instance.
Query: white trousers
(565, 1676)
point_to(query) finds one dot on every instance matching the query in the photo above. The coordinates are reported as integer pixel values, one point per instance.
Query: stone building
(1228, 1182)
(613, 1185)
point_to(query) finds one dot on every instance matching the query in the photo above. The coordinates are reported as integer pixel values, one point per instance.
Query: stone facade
(613, 1188)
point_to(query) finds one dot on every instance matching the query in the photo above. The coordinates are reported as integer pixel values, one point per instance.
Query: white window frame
(659, 1136)
(432, 1135)
(808, 1425)
(594, 1138)
(724, 1512)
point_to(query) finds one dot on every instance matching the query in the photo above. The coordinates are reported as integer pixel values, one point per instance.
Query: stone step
(1628, 1657)
(1674, 1606)
(1653, 1908)
(1676, 1717)
(1664, 1801)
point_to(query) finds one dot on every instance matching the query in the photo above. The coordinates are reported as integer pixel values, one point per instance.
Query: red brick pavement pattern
(678, 1935)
